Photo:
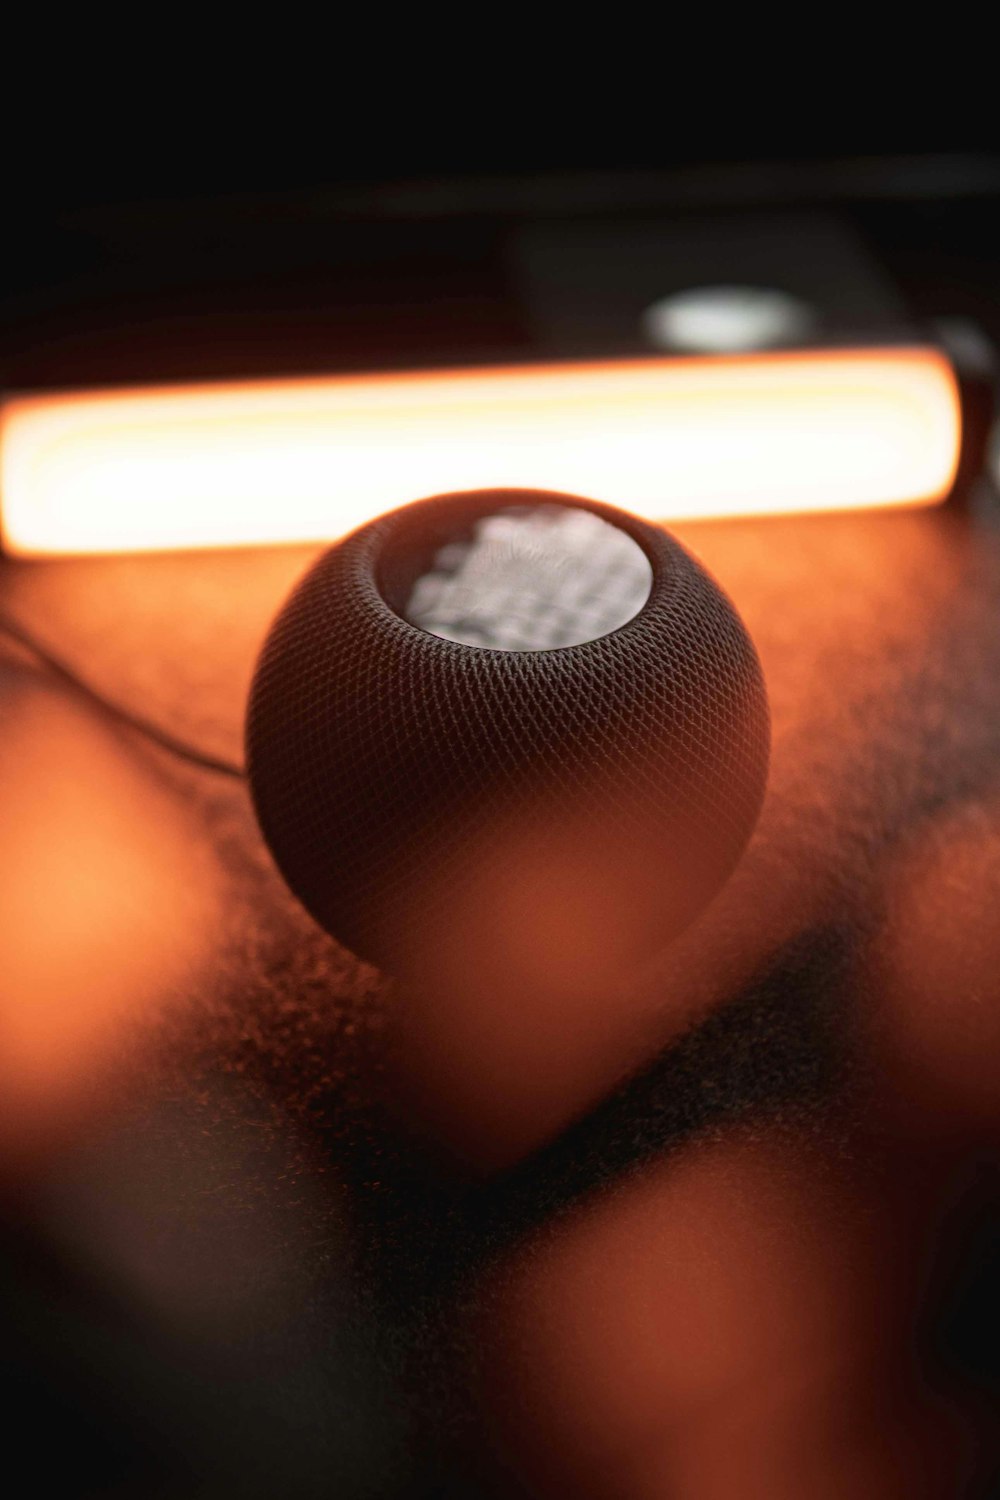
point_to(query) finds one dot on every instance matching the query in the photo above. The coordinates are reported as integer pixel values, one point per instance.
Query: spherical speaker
(511, 700)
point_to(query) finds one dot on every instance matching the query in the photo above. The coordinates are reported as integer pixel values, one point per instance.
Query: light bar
(307, 460)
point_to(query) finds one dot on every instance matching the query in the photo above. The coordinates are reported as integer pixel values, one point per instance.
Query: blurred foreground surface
(269, 1226)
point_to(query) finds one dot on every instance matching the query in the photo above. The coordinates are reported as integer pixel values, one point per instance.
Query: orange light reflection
(305, 460)
(937, 968)
(105, 907)
(732, 1323)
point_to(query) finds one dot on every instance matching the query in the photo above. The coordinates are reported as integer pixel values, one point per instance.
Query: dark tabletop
(269, 1225)
(228, 1255)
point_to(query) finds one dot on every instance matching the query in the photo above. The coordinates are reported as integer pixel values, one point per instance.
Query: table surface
(230, 1251)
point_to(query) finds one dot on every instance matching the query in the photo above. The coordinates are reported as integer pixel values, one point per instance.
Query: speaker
(506, 690)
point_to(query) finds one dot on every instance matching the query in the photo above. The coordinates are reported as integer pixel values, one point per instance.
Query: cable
(150, 731)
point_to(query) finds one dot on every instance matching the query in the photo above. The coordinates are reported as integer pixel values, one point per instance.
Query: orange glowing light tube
(307, 460)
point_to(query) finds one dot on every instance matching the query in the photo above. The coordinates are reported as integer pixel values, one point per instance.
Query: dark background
(155, 232)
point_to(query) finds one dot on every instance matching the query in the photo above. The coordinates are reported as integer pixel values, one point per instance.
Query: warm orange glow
(937, 972)
(106, 896)
(728, 1323)
(307, 460)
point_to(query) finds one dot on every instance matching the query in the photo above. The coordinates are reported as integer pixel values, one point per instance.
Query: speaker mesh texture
(381, 757)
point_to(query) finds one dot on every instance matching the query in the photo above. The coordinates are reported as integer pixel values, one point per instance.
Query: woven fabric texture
(381, 757)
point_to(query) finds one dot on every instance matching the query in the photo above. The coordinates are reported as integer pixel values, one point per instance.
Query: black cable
(124, 716)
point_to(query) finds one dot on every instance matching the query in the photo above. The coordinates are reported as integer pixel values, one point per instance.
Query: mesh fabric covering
(385, 760)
